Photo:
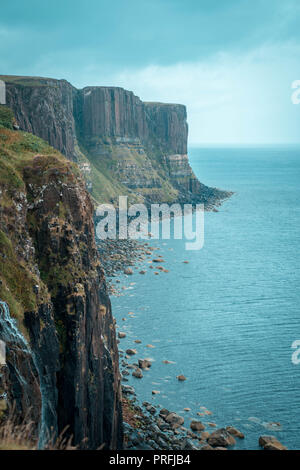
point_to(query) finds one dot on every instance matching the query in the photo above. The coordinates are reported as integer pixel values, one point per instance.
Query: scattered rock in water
(213, 425)
(128, 271)
(156, 273)
(186, 409)
(174, 420)
(137, 373)
(138, 341)
(142, 272)
(270, 443)
(123, 319)
(131, 352)
(151, 267)
(197, 426)
(181, 378)
(158, 260)
(155, 392)
(144, 364)
(221, 438)
(235, 432)
(168, 362)
(150, 346)
(121, 334)
(186, 262)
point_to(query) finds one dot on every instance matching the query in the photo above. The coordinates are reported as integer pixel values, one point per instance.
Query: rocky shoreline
(147, 426)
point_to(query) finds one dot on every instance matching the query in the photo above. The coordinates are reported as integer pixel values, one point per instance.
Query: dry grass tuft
(17, 436)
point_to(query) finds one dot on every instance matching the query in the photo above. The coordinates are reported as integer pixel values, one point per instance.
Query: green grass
(27, 81)
(6, 117)
(17, 283)
(106, 182)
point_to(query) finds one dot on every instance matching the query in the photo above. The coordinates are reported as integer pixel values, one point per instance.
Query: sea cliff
(61, 351)
(124, 146)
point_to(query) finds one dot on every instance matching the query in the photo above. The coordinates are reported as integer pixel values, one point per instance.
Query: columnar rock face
(111, 112)
(118, 113)
(131, 147)
(66, 374)
(168, 127)
(44, 107)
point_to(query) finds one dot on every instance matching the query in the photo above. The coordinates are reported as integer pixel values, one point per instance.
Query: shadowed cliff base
(123, 146)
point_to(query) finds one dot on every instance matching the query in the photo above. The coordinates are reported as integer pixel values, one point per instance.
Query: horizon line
(240, 144)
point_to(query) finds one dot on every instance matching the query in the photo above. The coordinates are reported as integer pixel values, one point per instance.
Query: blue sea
(228, 318)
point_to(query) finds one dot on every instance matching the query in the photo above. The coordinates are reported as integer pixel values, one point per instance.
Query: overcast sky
(231, 62)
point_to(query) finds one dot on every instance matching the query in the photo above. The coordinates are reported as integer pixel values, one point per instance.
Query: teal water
(228, 318)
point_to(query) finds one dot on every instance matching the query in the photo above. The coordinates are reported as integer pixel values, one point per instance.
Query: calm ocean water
(228, 318)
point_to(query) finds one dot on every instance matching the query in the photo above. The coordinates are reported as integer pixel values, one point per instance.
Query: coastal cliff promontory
(124, 146)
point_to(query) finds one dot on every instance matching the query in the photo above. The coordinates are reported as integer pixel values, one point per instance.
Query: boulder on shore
(164, 412)
(197, 426)
(174, 420)
(270, 443)
(131, 352)
(127, 389)
(144, 363)
(221, 438)
(137, 373)
(235, 432)
(121, 335)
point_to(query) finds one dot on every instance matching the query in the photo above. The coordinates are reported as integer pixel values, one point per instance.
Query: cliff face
(62, 359)
(44, 107)
(168, 128)
(124, 146)
(111, 112)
